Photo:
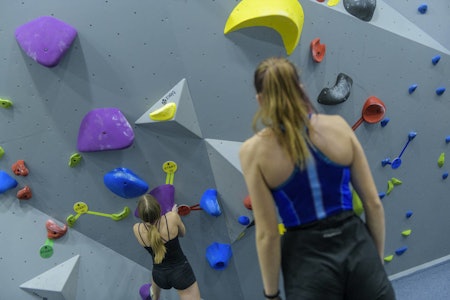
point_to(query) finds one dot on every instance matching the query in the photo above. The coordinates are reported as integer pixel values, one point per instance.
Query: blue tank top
(320, 190)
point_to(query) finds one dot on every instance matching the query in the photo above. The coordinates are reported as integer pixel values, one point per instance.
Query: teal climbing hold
(5, 103)
(6, 182)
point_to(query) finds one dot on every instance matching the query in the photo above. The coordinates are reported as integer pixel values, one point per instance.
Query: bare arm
(266, 222)
(364, 185)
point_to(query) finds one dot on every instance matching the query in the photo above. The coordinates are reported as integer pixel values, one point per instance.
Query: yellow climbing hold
(441, 160)
(406, 232)
(396, 181)
(5, 103)
(390, 187)
(281, 228)
(357, 204)
(332, 2)
(389, 258)
(165, 113)
(284, 16)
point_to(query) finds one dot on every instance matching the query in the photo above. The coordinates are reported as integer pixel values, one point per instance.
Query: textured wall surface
(129, 54)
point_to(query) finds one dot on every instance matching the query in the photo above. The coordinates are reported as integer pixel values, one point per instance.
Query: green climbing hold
(357, 204)
(75, 160)
(389, 258)
(2, 152)
(396, 181)
(5, 103)
(441, 160)
(406, 232)
(390, 187)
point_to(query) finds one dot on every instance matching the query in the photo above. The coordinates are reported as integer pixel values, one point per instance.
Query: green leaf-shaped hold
(75, 160)
(441, 160)
(2, 152)
(5, 103)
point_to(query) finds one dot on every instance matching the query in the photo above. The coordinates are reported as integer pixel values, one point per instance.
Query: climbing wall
(96, 119)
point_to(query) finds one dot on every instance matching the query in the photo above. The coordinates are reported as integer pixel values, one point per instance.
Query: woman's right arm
(364, 185)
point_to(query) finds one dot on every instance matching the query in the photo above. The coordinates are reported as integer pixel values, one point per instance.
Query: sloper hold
(45, 39)
(58, 283)
(209, 203)
(104, 129)
(178, 102)
(284, 16)
(6, 182)
(338, 93)
(124, 183)
(362, 9)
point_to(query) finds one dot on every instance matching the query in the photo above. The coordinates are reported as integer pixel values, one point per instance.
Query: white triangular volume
(390, 19)
(229, 150)
(58, 283)
(185, 113)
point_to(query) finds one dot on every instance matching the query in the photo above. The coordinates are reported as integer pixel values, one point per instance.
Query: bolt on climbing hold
(440, 91)
(372, 112)
(398, 161)
(25, 193)
(75, 160)
(389, 258)
(409, 214)
(5, 103)
(412, 88)
(2, 152)
(338, 93)
(436, 59)
(19, 168)
(422, 8)
(406, 232)
(317, 50)
(401, 250)
(441, 160)
(384, 122)
(444, 175)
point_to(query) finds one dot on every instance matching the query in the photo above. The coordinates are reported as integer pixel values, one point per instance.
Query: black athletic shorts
(333, 259)
(180, 276)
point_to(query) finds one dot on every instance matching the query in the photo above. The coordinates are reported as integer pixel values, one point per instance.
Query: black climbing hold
(338, 93)
(362, 9)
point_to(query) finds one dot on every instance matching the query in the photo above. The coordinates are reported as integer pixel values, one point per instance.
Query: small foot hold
(338, 93)
(25, 193)
(5, 103)
(436, 59)
(440, 91)
(19, 168)
(384, 122)
(401, 250)
(441, 160)
(422, 8)
(317, 50)
(412, 88)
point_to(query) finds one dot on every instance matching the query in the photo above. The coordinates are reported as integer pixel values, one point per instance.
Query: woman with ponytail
(301, 164)
(159, 236)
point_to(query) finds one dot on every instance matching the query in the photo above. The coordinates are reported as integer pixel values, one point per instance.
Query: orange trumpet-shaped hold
(19, 168)
(25, 193)
(54, 231)
(317, 50)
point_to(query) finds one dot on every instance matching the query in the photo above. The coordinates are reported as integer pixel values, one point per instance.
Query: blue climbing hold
(401, 250)
(422, 8)
(412, 88)
(381, 195)
(409, 214)
(6, 182)
(436, 59)
(384, 122)
(218, 255)
(447, 139)
(209, 203)
(440, 91)
(124, 183)
(244, 220)
(445, 175)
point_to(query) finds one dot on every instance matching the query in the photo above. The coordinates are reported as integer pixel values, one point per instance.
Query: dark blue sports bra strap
(167, 225)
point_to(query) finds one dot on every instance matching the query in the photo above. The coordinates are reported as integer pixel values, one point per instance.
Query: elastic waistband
(329, 222)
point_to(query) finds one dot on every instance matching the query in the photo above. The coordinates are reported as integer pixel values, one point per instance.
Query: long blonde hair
(149, 211)
(284, 106)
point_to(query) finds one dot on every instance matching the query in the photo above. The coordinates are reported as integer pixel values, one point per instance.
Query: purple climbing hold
(422, 8)
(436, 59)
(144, 291)
(104, 129)
(165, 195)
(45, 39)
(124, 183)
(209, 203)
(440, 91)
(409, 214)
(444, 175)
(412, 88)
(362, 9)
(384, 122)
(6, 182)
(401, 250)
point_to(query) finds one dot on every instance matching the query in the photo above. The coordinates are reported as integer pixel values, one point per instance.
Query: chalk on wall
(45, 39)
(284, 16)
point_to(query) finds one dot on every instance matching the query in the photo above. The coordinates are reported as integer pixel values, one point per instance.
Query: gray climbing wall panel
(129, 54)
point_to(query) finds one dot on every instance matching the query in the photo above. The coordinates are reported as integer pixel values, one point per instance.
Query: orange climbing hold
(25, 193)
(317, 50)
(54, 231)
(19, 168)
(248, 203)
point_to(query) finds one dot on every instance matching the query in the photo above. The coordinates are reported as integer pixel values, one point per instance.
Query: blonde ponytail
(157, 244)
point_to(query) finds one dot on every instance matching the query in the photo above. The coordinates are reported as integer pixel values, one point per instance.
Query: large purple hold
(165, 195)
(104, 129)
(45, 39)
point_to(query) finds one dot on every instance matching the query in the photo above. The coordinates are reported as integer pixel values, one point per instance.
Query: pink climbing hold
(104, 129)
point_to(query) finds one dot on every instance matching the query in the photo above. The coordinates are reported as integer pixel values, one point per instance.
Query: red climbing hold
(248, 203)
(54, 231)
(317, 50)
(19, 168)
(25, 193)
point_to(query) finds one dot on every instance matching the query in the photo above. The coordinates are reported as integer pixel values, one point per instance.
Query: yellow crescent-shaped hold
(284, 16)
(165, 113)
